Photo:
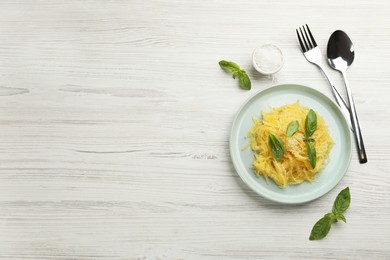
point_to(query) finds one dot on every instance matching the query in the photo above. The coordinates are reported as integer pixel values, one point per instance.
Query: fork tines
(306, 39)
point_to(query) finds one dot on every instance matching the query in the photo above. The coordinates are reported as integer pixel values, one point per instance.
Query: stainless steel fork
(313, 54)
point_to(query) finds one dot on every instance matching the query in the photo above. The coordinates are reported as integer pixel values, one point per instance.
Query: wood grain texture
(114, 125)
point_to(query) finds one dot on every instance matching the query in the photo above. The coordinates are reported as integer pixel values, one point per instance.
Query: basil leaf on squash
(310, 123)
(292, 128)
(311, 153)
(276, 147)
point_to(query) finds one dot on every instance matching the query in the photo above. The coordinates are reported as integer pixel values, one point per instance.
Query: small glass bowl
(267, 59)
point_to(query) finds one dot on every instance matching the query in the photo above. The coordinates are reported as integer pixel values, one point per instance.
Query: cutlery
(313, 54)
(340, 56)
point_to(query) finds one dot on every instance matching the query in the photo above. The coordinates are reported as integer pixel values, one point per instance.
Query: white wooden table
(114, 125)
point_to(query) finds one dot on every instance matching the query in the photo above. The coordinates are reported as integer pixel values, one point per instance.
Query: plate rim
(245, 178)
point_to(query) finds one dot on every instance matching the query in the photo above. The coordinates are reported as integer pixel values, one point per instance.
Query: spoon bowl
(340, 50)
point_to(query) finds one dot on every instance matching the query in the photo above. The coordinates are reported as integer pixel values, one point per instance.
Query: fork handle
(340, 100)
(355, 123)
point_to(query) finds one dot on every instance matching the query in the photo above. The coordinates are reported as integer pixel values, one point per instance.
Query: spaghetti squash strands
(294, 167)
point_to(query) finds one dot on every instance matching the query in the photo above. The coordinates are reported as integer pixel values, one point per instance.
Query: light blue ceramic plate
(339, 158)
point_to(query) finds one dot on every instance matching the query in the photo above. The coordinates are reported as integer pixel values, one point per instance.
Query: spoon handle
(355, 123)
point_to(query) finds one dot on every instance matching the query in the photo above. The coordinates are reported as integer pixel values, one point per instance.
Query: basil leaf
(310, 123)
(311, 153)
(321, 228)
(244, 80)
(332, 216)
(336, 217)
(276, 146)
(308, 139)
(342, 201)
(340, 216)
(292, 128)
(228, 65)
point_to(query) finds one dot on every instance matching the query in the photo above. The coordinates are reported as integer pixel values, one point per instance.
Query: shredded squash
(294, 168)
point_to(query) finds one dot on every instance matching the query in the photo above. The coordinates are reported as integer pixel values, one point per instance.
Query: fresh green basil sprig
(340, 205)
(243, 78)
(277, 147)
(292, 128)
(310, 128)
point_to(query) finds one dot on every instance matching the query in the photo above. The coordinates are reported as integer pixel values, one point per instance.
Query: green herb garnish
(312, 154)
(276, 146)
(292, 128)
(308, 139)
(342, 202)
(310, 123)
(310, 127)
(340, 205)
(243, 78)
(321, 228)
